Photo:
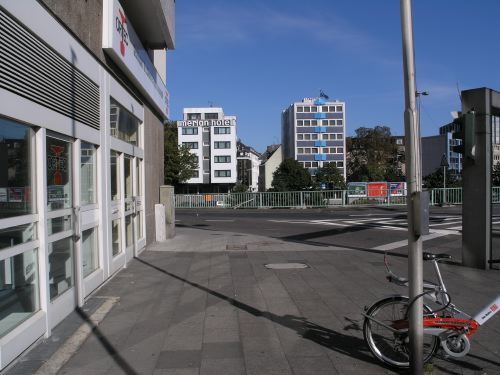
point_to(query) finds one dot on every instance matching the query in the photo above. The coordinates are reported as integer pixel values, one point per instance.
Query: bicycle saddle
(430, 256)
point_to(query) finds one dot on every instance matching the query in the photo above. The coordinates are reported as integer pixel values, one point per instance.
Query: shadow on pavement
(339, 342)
(110, 349)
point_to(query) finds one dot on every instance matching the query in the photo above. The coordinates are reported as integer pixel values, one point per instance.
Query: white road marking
(435, 225)
(397, 244)
(230, 221)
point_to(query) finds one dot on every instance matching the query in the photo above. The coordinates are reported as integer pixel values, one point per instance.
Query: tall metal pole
(414, 181)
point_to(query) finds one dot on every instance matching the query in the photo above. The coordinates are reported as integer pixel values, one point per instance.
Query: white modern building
(313, 133)
(82, 105)
(248, 166)
(211, 136)
(270, 161)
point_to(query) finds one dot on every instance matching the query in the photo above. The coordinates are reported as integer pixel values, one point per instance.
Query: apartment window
(324, 122)
(222, 173)
(222, 144)
(300, 123)
(340, 150)
(340, 136)
(324, 108)
(195, 174)
(17, 169)
(307, 137)
(307, 164)
(300, 109)
(331, 108)
(314, 136)
(194, 116)
(324, 136)
(300, 150)
(307, 109)
(190, 145)
(340, 164)
(332, 122)
(314, 122)
(314, 150)
(326, 150)
(189, 131)
(222, 159)
(123, 124)
(340, 122)
(300, 137)
(315, 164)
(314, 109)
(307, 150)
(211, 116)
(339, 108)
(307, 122)
(222, 130)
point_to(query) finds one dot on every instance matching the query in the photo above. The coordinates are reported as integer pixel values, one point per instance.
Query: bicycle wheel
(388, 346)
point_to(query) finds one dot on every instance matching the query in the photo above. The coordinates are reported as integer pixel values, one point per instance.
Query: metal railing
(311, 199)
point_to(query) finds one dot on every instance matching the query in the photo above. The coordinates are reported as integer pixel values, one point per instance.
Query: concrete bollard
(167, 198)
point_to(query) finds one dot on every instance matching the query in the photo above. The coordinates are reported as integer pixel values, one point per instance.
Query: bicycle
(386, 325)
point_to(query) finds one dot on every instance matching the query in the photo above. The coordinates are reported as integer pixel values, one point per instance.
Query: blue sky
(255, 57)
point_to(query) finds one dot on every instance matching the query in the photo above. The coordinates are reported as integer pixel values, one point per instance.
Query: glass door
(59, 216)
(129, 210)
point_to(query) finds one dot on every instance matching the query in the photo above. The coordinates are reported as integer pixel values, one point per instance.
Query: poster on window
(58, 173)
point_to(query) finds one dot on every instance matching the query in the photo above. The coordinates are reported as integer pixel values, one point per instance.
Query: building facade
(248, 161)
(270, 161)
(313, 133)
(211, 136)
(81, 130)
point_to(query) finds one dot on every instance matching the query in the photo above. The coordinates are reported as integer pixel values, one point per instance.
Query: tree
(372, 155)
(240, 188)
(495, 175)
(329, 174)
(291, 176)
(435, 179)
(179, 164)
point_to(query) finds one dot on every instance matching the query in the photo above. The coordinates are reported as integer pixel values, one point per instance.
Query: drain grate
(285, 266)
(236, 247)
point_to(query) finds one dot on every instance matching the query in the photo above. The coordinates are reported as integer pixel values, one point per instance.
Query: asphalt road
(380, 228)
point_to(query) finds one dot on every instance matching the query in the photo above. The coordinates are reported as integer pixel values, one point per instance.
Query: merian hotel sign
(227, 122)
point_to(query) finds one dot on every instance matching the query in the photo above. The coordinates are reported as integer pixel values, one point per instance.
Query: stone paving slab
(213, 311)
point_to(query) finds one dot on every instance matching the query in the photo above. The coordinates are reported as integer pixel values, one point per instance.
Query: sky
(254, 58)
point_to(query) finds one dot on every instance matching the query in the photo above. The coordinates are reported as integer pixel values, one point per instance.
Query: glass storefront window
(129, 231)
(60, 266)
(16, 169)
(17, 235)
(115, 175)
(123, 124)
(139, 224)
(19, 297)
(128, 177)
(88, 173)
(59, 184)
(58, 224)
(116, 237)
(90, 256)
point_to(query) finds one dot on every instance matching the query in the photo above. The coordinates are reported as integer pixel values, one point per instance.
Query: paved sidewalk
(205, 304)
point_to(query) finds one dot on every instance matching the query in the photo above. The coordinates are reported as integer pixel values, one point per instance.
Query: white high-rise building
(210, 135)
(313, 133)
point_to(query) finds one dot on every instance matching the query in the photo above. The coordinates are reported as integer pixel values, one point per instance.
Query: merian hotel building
(82, 105)
(211, 136)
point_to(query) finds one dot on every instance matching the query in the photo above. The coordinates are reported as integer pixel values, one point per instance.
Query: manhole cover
(285, 266)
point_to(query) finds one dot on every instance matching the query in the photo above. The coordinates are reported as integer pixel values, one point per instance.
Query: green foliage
(330, 175)
(179, 163)
(372, 155)
(435, 179)
(495, 175)
(240, 188)
(291, 176)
